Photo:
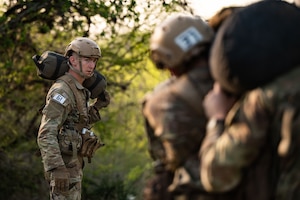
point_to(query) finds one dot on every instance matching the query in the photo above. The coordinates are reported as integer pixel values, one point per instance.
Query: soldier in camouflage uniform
(65, 125)
(175, 124)
(251, 148)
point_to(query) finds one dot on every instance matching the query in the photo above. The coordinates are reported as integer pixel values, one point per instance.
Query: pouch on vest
(90, 143)
(67, 138)
(51, 65)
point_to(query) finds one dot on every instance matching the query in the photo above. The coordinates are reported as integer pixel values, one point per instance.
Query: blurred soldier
(251, 148)
(64, 136)
(175, 124)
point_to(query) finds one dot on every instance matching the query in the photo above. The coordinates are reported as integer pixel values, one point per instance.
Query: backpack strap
(78, 100)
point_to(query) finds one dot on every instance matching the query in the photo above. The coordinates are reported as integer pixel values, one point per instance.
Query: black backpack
(51, 65)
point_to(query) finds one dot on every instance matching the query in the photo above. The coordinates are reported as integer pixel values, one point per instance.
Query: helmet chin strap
(80, 73)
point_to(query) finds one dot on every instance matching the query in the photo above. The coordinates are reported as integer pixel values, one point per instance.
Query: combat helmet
(177, 39)
(84, 47)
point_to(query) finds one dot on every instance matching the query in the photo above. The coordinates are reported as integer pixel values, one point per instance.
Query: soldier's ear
(72, 59)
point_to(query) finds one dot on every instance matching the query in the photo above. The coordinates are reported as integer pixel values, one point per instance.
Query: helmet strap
(80, 65)
(80, 73)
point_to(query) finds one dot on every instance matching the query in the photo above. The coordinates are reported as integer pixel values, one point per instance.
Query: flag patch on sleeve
(59, 98)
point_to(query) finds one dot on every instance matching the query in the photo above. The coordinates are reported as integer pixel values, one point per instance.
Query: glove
(60, 179)
(103, 100)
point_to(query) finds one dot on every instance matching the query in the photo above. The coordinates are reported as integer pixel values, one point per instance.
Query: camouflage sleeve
(94, 115)
(54, 114)
(224, 155)
(155, 146)
(94, 108)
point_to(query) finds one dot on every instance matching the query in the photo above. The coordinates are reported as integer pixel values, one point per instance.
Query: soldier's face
(87, 64)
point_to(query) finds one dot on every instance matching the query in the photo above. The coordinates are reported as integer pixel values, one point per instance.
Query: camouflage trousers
(73, 194)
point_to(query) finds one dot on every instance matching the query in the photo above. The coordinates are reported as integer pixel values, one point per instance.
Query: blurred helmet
(179, 38)
(84, 47)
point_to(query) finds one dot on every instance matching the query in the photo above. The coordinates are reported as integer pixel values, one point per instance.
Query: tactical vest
(71, 131)
(83, 118)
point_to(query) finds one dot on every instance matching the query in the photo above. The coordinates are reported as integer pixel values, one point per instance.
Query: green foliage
(30, 27)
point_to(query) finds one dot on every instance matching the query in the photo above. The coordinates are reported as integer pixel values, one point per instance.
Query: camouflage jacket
(175, 121)
(257, 154)
(58, 134)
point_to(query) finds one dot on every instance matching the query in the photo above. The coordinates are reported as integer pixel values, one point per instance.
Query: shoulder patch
(59, 98)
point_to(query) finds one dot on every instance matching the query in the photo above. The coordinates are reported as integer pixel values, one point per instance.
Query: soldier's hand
(216, 103)
(61, 178)
(103, 100)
